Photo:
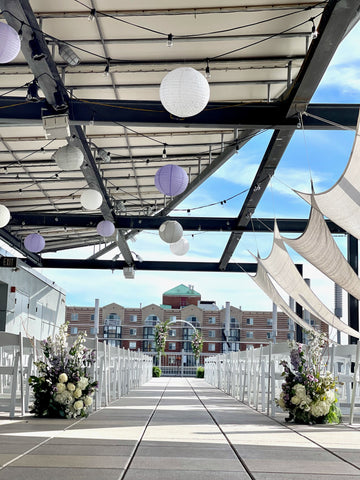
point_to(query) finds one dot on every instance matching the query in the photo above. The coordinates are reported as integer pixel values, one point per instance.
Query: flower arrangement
(197, 344)
(161, 333)
(63, 387)
(308, 393)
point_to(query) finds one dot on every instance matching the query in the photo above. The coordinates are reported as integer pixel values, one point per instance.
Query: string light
(92, 15)
(170, 40)
(107, 69)
(164, 155)
(314, 32)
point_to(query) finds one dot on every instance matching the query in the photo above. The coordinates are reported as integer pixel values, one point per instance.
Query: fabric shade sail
(283, 270)
(341, 203)
(263, 281)
(318, 247)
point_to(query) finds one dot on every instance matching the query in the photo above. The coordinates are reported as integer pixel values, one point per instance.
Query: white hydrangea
(65, 398)
(82, 383)
(319, 408)
(60, 387)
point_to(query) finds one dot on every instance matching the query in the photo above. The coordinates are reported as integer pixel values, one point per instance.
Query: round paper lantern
(34, 242)
(171, 180)
(181, 247)
(91, 199)
(69, 157)
(9, 43)
(105, 228)
(4, 216)
(184, 92)
(170, 231)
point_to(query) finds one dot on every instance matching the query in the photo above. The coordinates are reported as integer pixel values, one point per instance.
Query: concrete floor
(195, 432)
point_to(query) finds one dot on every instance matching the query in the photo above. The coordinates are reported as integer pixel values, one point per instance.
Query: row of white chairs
(116, 370)
(254, 376)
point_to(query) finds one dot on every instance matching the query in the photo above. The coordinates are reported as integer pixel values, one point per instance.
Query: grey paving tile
(72, 461)
(184, 451)
(178, 463)
(46, 473)
(302, 476)
(136, 474)
(84, 449)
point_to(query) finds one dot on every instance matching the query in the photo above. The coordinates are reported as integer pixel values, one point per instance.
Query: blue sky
(325, 154)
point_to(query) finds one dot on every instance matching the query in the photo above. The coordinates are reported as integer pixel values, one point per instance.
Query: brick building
(134, 328)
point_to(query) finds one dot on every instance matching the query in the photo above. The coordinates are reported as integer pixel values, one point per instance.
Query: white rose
(77, 393)
(71, 387)
(63, 378)
(295, 400)
(78, 405)
(88, 401)
(60, 387)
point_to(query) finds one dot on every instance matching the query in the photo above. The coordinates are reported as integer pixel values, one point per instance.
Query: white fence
(254, 376)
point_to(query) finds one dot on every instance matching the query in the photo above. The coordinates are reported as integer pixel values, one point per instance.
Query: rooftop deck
(177, 429)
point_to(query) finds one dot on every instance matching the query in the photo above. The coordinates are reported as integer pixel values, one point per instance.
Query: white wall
(29, 302)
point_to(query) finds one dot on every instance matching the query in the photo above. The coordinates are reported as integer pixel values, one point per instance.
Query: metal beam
(188, 223)
(14, 110)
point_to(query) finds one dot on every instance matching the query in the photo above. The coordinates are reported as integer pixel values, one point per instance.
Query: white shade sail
(283, 270)
(318, 247)
(341, 203)
(263, 281)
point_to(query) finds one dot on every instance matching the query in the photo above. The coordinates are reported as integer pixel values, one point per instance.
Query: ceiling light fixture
(32, 92)
(68, 54)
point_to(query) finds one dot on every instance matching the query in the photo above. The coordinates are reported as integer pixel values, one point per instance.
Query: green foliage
(200, 372)
(156, 371)
(161, 333)
(197, 344)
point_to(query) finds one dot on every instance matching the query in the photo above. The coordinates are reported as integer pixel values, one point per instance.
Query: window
(212, 320)
(234, 334)
(269, 335)
(269, 321)
(133, 318)
(92, 330)
(249, 321)
(92, 317)
(290, 336)
(211, 333)
(172, 333)
(132, 345)
(151, 320)
(149, 332)
(172, 346)
(74, 330)
(74, 317)
(211, 347)
(149, 346)
(172, 318)
(113, 316)
(249, 334)
(132, 331)
(187, 333)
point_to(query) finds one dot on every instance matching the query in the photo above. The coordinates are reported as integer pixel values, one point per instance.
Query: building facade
(134, 328)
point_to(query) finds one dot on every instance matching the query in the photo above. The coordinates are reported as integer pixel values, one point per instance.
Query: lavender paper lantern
(9, 43)
(170, 231)
(171, 180)
(105, 228)
(181, 247)
(4, 216)
(34, 242)
(68, 157)
(91, 199)
(184, 92)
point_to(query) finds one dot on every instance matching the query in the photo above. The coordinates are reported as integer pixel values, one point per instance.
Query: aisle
(176, 429)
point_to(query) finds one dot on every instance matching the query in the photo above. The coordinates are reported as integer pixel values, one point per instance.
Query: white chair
(12, 369)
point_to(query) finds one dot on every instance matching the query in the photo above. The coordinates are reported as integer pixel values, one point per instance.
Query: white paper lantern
(184, 92)
(4, 216)
(170, 231)
(105, 228)
(181, 247)
(34, 242)
(91, 199)
(68, 157)
(9, 43)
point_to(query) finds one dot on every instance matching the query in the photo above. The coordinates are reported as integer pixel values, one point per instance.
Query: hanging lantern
(34, 242)
(105, 228)
(171, 180)
(9, 43)
(184, 92)
(180, 247)
(91, 199)
(170, 231)
(4, 216)
(68, 157)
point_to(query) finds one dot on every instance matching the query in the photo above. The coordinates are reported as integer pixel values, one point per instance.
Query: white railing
(253, 376)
